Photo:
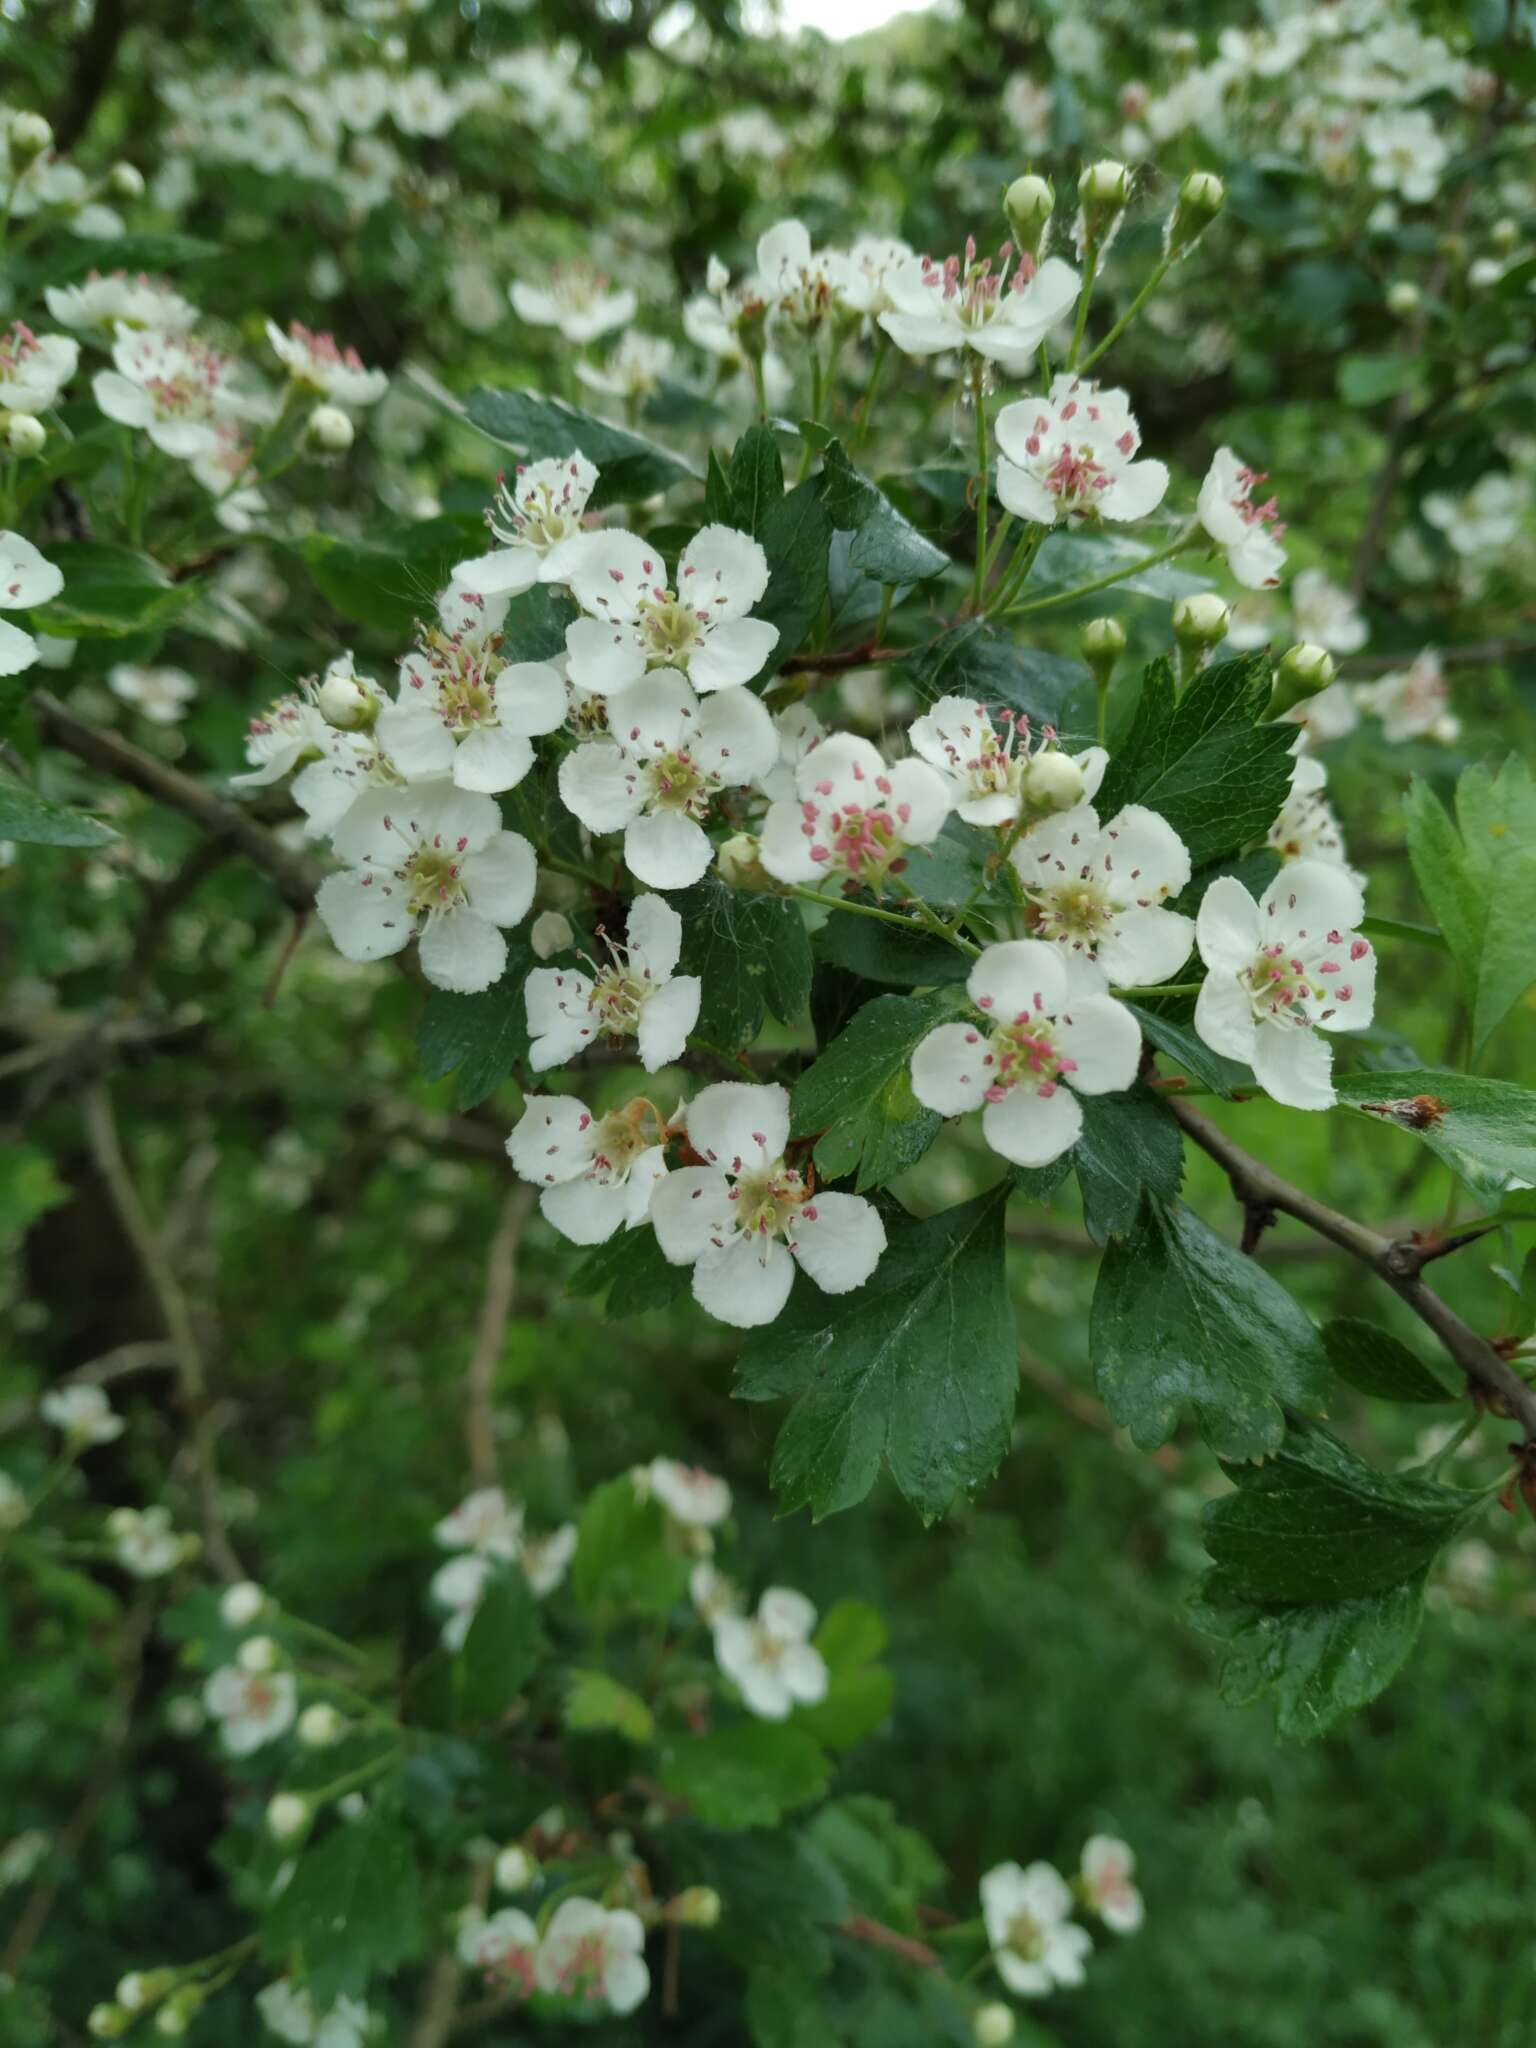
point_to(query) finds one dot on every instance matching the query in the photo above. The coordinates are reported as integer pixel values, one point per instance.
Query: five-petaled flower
(176, 389)
(251, 1707)
(993, 775)
(26, 578)
(1072, 455)
(319, 362)
(1100, 890)
(637, 621)
(539, 520)
(1246, 527)
(1002, 313)
(594, 1955)
(854, 816)
(596, 1174)
(769, 1656)
(690, 1495)
(576, 301)
(1035, 1943)
(636, 995)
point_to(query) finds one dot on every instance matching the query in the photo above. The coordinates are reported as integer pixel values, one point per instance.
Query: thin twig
(490, 1335)
(1471, 654)
(859, 1927)
(435, 2016)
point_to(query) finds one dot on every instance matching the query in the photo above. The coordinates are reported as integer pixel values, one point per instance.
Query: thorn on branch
(1257, 1218)
(1408, 1256)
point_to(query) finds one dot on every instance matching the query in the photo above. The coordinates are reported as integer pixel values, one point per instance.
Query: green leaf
(1367, 380)
(484, 1036)
(391, 583)
(1130, 1146)
(796, 534)
(1483, 1130)
(109, 592)
(780, 1895)
(858, 1094)
(975, 660)
(918, 1367)
(1478, 877)
(29, 1188)
(1182, 1318)
(756, 481)
(752, 954)
(64, 258)
(33, 820)
(886, 1866)
(631, 1270)
(1375, 1362)
(623, 1558)
(536, 427)
(881, 952)
(748, 1775)
(502, 1649)
(1186, 1048)
(596, 1701)
(351, 1910)
(859, 1690)
(534, 627)
(1068, 559)
(886, 545)
(785, 2009)
(1204, 761)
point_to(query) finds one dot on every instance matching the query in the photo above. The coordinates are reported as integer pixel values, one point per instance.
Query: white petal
(1224, 1015)
(366, 919)
(920, 798)
(415, 739)
(1021, 495)
(492, 760)
(530, 697)
(1294, 1065)
(462, 952)
(18, 650)
(587, 1211)
(1032, 1129)
(500, 879)
(950, 1071)
(838, 1240)
(1142, 856)
(598, 783)
(654, 931)
(1308, 899)
(1136, 492)
(732, 653)
(602, 658)
(1020, 977)
(657, 715)
(690, 1211)
(739, 1125)
(552, 1140)
(559, 1015)
(1146, 946)
(666, 1020)
(1105, 1040)
(26, 576)
(783, 848)
(505, 572)
(745, 1285)
(614, 573)
(721, 566)
(1227, 929)
(666, 850)
(735, 738)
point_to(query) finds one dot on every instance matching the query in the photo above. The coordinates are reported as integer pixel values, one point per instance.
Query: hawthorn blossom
(1412, 703)
(102, 305)
(539, 521)
(689, 1494)
(34, 368)
(769, 1656)
(290, 730)
(576, 301)
(422, 104)
(594, 1955)
(545, 1560)
(429, 860)
(798, 730)
(1035, 1944)
(1248, 531)
(803, 286)
(1308, 826)
(634, 370)
(745, 1218)
(1325, 615)
(26, 578)
(1407, 153)
(1100, 891)
(485, 1521)
(1038, 1044)
(237, 506)
(855, 817)
(1071, 455)
(318, 362)
(502, 1947)
(992, 775)
(1002, 314)
(596, 1174)
(1281, 970)
(1486, 519)
(657, 770)
(464, 712)
(637, 995)
(713, 1595)
(143, 1541)
(83, 1414)
(251, 1707)
(636, 621)
(159, 694)
(459, 1586)
(1105, 1880)
(175, 389)
(288, 2011)
(868, 269)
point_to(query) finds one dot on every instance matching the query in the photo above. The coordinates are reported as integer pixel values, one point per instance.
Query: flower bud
(1505, 234)
(345, 699)
(1303, 671)
(698, 1906)
(550, 933)
(1101, 643)
(29, 136)
(1029, 203)
(738, 863)
(1201, 197)
(141, 1988)
(1402, 299)
(25, 435)
(1105, 184)
(240, 1605)
(108, 2022)
(1200, 620)
(993, 2024)
(176, 2015)
(320, 1725)
(1055, 781)
(287, 1815)
(126, 181)
(515, 1870)
(330, 430)
(257, 1654)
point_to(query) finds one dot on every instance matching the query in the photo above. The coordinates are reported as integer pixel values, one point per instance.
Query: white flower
(798, 730)
(655, 773)
(34, 368)
(746, 1218)
(1412, 702)
(26, 579)
(1328, 716)
(1034, 1943)
(422, 105)
(237, 507)
(460, 1585)
(279, 739)
(432, 859)
(1407, 153)
(1486, 520)
(143, 1542)
(251, 1707)
(1308, 827)
(636, 621)
(1106, 1880)
(502, 1947)
(546, 1559)
(538, 519)
(712, 1593)
(159, 694)
(174, 388)
(1248, 531)
(964, 303)
(1282, 969)
(290, 2014)
(83, 1414)
(636, 996)
(320, 363)
(596, 1174)
(689, 1494)
(633, 370)
(1038, 1041)
(869, 266)
(1072, 455)
(360, 98)
(769, 1656)
(576, 300)
(802, 285)
(594, 1955)
(103, 304)
(484, 1521)
(855, 816)
(464, 712)
(992, 775)
(1326, 615)
(1100, 890)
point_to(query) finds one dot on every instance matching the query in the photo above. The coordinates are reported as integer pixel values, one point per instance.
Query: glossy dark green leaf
(883, 953)
(391, 583)
(781, 1896)
(503, 1648)
(1130, 1146)
(537, 427)
(484, 1036)
(1180, 1041)
(886, 545)
(1373, 1360)
(795, 534)
(977, 660)
(33, 820)
(860, 1689)
(1484, 1130)
(351, 1909)
(747, 1775)
(631, 1271)
(624, 1561)
(109, 592)
(858, 1094)
(752, 954)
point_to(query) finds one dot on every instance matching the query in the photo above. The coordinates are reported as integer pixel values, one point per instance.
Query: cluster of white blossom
(487, 1533)
(1037, 1947)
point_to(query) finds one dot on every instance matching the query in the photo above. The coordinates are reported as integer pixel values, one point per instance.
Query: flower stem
(1126, 317)
(1166, 988)
(866, 405)
(1085, 300)
(906, 924)
(1041, 604)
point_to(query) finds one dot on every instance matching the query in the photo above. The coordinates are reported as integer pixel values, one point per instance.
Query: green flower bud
(1105, 184)
(699, 1906)
(1200, 620)
(1102, 642)
(1028, 204)
(287, 1815)
(515, 1869)
(108, 2022)
(738, 863)
(1055, 782)
(993, 2025)
(1201, 197)
(29, 136)
(320, 1725)
(25, 435)
(330, 430)
(1402, 299)
(141, 1988)
(126, 181)
(1304, 670)
(177, 2013)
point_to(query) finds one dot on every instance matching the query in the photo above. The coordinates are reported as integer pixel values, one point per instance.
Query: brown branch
(495, 1309)
(1471, 654)
(859, 1927)
(294, 877)
(1255, 1184)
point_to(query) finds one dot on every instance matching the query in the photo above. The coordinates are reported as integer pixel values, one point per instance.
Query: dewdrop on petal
(330, 430)
(26, 435)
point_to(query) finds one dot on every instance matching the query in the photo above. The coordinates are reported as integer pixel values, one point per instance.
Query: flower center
(622, 1136)
(464, 668)
(1076, 913)
(582, 1974)
(668, 628)
(576, 287)
(1281, 989)
(434, 878)
(975, 286)
(1265, 514)
(16, 346)
(1025, 1937)
(1025, 1055)
(865, 844)
(677, 783)
(534, 515)
(767, 1202)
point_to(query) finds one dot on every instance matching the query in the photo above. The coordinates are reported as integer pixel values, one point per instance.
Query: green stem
(1085, 300)
(1126, 317)
(905, 924)
(930, 917)
(866, 405)
(887, 598)
(1395, 928)
(1119, 575)
(1166, 988)
(1102, 722)
(1019, 570)
(759, 385)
